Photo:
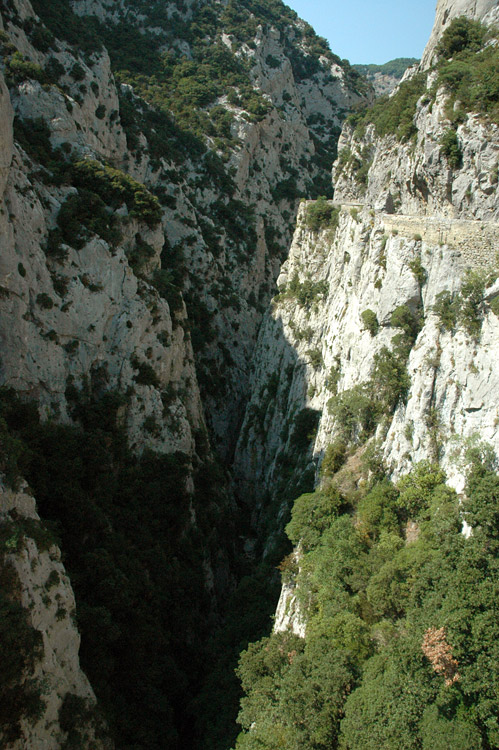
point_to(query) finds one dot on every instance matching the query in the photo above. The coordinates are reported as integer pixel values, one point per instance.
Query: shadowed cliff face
(150, 188)
(413, 227)
(229, 166)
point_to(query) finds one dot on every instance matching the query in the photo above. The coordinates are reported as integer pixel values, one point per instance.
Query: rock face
(138, 258)
(368, 264)
(385, 78)
(43, 590)
(413, 234)
(96, 329)
(272, 159)
(6, 144)
(419, 181)
(384, 84)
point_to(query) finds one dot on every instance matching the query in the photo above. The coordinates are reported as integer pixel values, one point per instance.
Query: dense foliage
(396, 599)
(467, 307)
(135, 560)
(393, 114)
(20, 646)
(468, 68)
(321, 214)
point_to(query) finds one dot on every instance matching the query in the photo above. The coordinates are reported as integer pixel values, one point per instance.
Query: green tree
(370, 321)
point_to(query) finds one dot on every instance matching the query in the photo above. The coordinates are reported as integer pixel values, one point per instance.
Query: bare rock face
(383, 83)
(478, 10)
(90, 307)
(40, 585)
(85, 316)
(322, 347)
(6, 134)
(89, 317)
(288, 616)
(71, 117)
(419, 181)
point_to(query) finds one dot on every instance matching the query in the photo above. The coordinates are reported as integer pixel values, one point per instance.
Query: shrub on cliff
(393, 115)
(19, 69)
(84, 214)
(321, 214)
(304, 428)
(471, 299)
(451, 149)
(471, 76)
(20, 647)
(446, 307)
(115, 187)
(461, 34)
(370, 321)
(355, 412)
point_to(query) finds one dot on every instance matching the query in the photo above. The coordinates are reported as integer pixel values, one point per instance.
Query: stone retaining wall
(477, 241)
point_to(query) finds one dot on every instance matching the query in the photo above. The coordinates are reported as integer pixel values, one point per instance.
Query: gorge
(218, 373)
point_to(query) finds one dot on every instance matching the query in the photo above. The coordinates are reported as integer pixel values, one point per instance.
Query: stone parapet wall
(477, 241)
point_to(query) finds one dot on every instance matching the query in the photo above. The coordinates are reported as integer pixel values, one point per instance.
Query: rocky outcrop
(486, 11)
(83, 317)
(99, 298)
(419, 181)
(87, 318)
(288, 614)
(322, 347)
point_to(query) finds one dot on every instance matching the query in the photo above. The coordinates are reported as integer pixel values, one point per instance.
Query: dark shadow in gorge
(272, 466)
(159, 649)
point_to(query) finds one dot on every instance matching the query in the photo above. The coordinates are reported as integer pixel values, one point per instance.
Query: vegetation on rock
(401, 648)
(395, 114)
(365, 675)
(321, 214)
(134, 559)
(466, 67)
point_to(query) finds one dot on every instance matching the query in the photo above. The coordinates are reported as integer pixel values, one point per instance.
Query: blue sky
(370, 31)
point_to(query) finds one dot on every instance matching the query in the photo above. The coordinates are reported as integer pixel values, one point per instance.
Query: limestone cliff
(413, 233)
(142, 234)
(232, 248)
(385, 78)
